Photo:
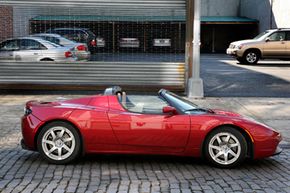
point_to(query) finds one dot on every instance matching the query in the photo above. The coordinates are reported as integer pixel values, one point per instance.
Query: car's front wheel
(59, 142)
(225, 147)
(251, 57)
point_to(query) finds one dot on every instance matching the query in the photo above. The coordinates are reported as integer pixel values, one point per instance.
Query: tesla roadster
(115, 122)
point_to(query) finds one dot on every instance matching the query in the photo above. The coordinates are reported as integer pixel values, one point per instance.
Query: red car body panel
(170, 132)
(106, 127)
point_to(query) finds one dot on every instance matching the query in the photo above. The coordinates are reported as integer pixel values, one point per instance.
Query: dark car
(82, 35)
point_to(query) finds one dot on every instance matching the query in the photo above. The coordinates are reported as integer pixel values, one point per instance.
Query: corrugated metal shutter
(105, 3)
(92, 73)
(169, 75)
(167, 5)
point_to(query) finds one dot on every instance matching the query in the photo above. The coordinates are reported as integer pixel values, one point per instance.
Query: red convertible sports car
(115, 122)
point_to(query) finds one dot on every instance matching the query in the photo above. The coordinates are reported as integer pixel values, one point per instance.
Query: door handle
(35, 53)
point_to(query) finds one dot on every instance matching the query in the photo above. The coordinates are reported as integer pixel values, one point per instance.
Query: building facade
(138, 36)
(270, 13)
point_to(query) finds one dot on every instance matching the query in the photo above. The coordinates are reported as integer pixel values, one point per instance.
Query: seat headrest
(113, 90)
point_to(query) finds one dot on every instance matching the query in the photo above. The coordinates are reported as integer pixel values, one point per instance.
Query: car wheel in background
(59, 142)
(225, 147)
(46, 60)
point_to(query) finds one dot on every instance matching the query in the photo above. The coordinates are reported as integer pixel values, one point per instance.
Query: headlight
(240, 46)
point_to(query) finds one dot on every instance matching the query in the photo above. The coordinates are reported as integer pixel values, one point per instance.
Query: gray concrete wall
(270, 16)
(220, 7)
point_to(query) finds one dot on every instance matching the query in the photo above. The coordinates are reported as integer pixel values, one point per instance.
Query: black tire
(240, 60)
(240, 151)
(46, 60)
(251, 57)
(70, 133)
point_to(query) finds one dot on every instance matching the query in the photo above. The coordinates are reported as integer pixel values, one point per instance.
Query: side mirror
(267, 39)
(169, 110)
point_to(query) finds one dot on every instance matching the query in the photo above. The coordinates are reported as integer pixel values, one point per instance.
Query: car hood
(226, 113)
(244, 42)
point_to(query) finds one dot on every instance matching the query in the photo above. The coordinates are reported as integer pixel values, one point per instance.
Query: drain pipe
(271, 14)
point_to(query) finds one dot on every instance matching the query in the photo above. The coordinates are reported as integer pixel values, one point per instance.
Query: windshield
(179, 102)
(91, 33)
(261, 35)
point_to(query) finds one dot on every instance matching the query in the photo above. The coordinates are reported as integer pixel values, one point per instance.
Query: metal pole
(113, 38)
(213, 39)
(188, 41)
(271, 14)
(195, 83)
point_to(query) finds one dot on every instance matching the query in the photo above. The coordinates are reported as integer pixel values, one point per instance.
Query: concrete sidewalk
(274, 112)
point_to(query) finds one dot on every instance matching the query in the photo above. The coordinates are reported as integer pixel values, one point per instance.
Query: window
(287, 35)
(9, 45)
(261, 35)
(277, 36)
(27, 44)
(52, 39)
(64, 41)
(179, 102)
(144, 104)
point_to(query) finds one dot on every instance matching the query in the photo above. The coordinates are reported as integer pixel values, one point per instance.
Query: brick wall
(6, 22)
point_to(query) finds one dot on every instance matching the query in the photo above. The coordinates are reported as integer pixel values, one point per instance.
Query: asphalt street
(225, 77)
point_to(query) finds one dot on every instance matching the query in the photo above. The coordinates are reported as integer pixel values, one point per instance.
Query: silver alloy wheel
(224, 148)
(58, 143)
(251, 57)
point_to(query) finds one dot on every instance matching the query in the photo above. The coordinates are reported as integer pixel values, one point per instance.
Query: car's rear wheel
(251, 57)
(46, 60)
(59, 142)
(225, 147)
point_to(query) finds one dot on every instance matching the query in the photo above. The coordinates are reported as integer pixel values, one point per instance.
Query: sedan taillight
(68, 54)
(81, 48)
(93, 43)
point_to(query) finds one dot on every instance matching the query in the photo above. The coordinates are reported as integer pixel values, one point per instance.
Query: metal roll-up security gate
(166, 72)
(120, 4)
(88, 74)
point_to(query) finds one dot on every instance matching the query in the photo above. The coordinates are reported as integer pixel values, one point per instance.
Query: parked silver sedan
(80, 50)
(33, 49)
